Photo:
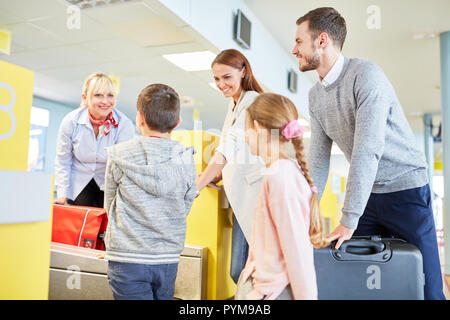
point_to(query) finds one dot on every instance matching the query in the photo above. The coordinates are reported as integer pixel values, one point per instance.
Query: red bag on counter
(79, 226)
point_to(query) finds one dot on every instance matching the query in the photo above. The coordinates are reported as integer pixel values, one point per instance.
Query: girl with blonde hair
(84, 135)
(287, 223)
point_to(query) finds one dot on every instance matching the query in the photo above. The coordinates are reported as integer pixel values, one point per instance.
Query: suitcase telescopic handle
(363, 250)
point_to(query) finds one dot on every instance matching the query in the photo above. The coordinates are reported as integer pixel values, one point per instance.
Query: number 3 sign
(8, 109)
(16, 97)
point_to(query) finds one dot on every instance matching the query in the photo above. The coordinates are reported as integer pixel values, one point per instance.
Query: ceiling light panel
(86, 4)
(192, 61)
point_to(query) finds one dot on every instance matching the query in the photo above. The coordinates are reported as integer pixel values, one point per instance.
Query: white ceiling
(126, 40)
(413, 66)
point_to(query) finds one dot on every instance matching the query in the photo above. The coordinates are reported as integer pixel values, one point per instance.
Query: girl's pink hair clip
(293, 130)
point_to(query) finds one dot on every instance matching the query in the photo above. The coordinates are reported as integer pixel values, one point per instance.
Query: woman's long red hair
(235, 59)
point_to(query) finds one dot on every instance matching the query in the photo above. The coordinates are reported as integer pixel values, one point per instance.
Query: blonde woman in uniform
(83, 137)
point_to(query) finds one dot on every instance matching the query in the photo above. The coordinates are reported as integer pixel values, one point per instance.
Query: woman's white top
(242, 175)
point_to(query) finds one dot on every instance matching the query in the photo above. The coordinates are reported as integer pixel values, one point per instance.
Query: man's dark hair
(160, 106)
(327, 20)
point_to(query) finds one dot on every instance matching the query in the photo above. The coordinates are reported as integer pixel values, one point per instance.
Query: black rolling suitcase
(370, 268)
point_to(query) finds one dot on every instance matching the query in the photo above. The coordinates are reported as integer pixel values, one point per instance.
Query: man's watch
(197, 193)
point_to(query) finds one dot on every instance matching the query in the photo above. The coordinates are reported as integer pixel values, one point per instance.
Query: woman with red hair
(241, 171)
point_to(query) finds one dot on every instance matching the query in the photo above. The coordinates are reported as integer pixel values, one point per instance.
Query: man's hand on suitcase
(341, 233)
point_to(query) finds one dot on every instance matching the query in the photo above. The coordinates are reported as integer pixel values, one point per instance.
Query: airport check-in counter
(204, 269)
(77, 274)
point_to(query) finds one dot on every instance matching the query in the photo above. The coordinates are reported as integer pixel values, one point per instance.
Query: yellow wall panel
(25, 259)
(16, 95)
(329, 203)
(24, 247)
(209, 225)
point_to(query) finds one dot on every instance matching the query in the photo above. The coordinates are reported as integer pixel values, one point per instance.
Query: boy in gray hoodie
(150, 185)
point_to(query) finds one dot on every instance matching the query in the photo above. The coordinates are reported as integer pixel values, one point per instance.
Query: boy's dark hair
(327, 20)
(160, 106)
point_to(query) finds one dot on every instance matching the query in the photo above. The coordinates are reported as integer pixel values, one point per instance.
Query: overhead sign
(5, 41)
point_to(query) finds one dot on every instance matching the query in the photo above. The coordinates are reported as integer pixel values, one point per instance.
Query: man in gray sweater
(355, 105)
(149, 189)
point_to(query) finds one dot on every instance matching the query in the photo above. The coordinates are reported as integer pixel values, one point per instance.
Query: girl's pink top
(280, 250)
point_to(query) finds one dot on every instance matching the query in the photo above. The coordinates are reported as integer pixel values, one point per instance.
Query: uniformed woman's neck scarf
(107, 122)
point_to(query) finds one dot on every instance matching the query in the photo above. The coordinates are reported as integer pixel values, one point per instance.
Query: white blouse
(242, 175)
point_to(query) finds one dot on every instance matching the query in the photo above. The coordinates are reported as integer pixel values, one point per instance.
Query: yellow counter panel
(208, 224)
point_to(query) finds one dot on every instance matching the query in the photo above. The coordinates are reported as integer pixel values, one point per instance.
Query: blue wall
(57, 111)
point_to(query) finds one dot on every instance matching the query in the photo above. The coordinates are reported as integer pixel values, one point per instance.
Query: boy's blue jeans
(134, 281)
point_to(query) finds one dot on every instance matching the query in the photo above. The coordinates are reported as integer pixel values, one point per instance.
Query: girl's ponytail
(276, 112)
(316, 233)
